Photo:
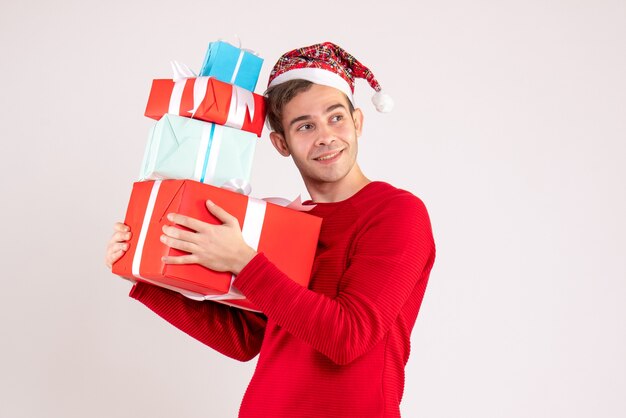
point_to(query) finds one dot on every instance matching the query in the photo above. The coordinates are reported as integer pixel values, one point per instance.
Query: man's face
(321, 134)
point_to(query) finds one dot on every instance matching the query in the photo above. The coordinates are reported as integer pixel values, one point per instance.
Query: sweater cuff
(136, 291)
(268, 288)
(250, 271)
(140, 290)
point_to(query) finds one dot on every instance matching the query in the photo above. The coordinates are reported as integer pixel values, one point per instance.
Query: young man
(339, 347)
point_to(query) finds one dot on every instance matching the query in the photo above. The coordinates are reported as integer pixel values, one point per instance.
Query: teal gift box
(232, 65)
(185, 148)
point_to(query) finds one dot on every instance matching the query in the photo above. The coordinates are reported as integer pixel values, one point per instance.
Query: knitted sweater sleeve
(233, 332)
(392, 252)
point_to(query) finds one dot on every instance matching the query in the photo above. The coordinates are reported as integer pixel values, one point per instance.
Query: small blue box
(232, 65)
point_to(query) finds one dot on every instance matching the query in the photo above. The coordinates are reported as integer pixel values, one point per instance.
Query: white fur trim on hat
(317, 76)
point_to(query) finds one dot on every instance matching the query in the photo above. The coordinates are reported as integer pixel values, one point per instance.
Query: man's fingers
(115, 251)
(178, 244)
(121, 236)
(113, 257)
(181, 259)
(221, 214)
(173, 232)
(120, 227)
(191, 223)
(119, 246)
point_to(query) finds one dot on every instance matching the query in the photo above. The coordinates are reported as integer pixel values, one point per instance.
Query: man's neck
(328, 192)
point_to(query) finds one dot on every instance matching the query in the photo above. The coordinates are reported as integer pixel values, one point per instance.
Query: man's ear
(357, 117)
(280, 144)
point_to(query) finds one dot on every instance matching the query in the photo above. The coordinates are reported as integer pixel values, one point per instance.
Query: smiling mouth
(328, 156)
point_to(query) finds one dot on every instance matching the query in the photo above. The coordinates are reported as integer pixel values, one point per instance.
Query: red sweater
(337, 348)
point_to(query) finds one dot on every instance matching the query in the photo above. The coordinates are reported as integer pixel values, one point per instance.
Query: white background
(510, 124)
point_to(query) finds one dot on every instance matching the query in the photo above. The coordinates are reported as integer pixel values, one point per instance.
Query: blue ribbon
(208, 151)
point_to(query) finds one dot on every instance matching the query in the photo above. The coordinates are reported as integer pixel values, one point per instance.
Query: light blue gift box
(232, 65)
(185, 148)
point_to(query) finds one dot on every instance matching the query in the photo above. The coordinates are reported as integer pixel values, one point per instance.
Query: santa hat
(329, 65)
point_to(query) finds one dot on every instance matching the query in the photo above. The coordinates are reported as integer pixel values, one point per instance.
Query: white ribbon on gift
(176, 97)
(180, 74)
(240, 186)
(200, 86)
(181, 71)
(242, 52)
(251, 232)
(295, 204)
(240, 100)
(236, 70)
(145, 224)
(238, 46)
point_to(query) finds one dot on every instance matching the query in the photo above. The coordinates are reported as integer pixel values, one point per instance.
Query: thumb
(220, 213)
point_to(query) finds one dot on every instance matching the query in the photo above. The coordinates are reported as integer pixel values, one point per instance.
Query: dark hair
(279, 95)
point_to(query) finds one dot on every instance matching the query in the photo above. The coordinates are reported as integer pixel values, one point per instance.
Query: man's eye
(336, 118)
(305, 127)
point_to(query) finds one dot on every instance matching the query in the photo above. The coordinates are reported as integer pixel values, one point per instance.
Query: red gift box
(210, 100)
(287, 237)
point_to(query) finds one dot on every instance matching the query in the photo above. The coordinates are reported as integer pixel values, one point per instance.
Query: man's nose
(325, 135)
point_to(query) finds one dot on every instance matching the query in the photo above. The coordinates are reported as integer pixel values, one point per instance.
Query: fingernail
(163, 238)
(210, 203)
(170, 216)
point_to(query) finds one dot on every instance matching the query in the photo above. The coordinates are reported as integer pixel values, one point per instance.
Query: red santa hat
(329, 65)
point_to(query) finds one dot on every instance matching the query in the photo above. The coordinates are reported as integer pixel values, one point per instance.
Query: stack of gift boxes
(200, 148)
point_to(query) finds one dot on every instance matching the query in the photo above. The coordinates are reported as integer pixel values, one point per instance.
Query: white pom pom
(382, 102)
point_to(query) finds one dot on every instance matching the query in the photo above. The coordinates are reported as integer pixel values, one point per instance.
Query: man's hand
(217, 247)
(118, 244)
